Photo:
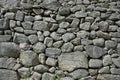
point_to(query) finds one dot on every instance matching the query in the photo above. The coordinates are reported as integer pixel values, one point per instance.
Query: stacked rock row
(60, 39)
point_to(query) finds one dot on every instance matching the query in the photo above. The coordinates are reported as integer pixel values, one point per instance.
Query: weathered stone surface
(10, 3)
(116, 61)
(79, 73)
(41, 68)
(40, 25)
(24, 72)
(85, 26)
(51, 62)
(108, 77)
(28, 58)
(110, 44)
(95, 63)
(64, 25)
(47, 76)
(107, 60)
(5, 38)
(27, 25)
(7, 63)
(94, 51)
(71, 61)
(9, 49)
(99, 42)
(68, 36)
(19, 16)
(80, 14)
(20, 38)
(39, 47)
(33, 39)
(52, 52)
(64, 11)
(4, 24)
(8, 75)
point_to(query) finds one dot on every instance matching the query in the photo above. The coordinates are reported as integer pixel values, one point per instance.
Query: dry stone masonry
(59, 40)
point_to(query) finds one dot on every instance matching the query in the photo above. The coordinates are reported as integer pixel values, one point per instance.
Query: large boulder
(73, 60)
(9, 49)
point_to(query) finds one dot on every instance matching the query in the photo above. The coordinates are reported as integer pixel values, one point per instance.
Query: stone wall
(59, 40)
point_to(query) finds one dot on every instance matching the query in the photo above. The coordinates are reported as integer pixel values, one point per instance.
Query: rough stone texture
(9, 49)
(8, 75)
(94, 51)
(71, 61)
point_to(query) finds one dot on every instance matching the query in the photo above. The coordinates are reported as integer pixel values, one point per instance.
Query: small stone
(85, 26)
(36, 76)
(113, 28)
(28, 58)
(40, 25)
(41, 58)
(64, 25)
(94, 51)
(104, 70)
(103, 26)
(75, 23)
(114, 16)
(52, 69)
(4, 24)
(33, 39)
(67, 47)
(86, 42)
(40, 68)
(107, 60)
(27, 25)
(29, 32)
(46, 33)
(76, 41)
(88, 78)
(23, 71)
(52, 52)
(82, 34)
(118, 23)
(99, 42)
(67, 78)
(19, 29)
(68, 36)
(63, 11)
(101, 34)
(55, 36)
(8, 75)
(48, 41)
(19, 16)
(73, 60)
(95, 63)
(79, 73)
(39, 47)
(78, 48)
(61, 31)
(40, 36)
(51, 61)
(37, 17)
(58, 44)
(47, 76)
(80, 14)
(110, 44)
(93, 72)
(29, 19)
(12, 23)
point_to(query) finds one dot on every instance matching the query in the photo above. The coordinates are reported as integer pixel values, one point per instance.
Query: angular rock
(108, 77)
(10, 15)
(41, 68)
(24, 72)
(82, 34)
(29, 58)
(116, 61)
(79, 73)
(63, 11)
(48, 41)
(64, 25)
(7, 63)
(95, 63)
(47, 76)
(39, 47)
(9, 49)
(94, 51)
(99, 42)
(51, 62)
(104, 70)
(19, 16)
(80, 14)
(52, 52)
(4, 24)
(55, 36)
(8, 75)
(67, 47)
(110, 44)
(40, 25)
(73, 60)
(85, 26)
(107, 60)
(33, 39)
(5, 38)
(27, 25)
(20, 38)
(68, 36)
(103, 26)
(115, 71)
